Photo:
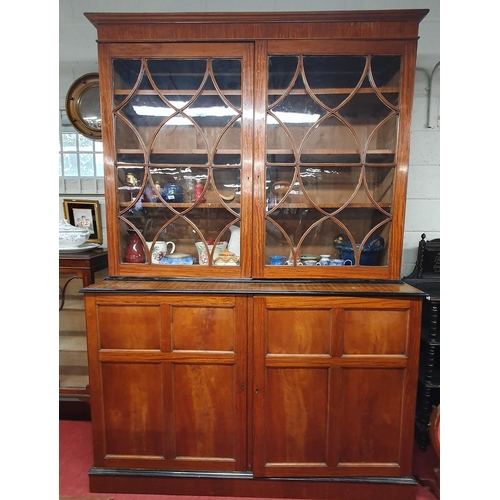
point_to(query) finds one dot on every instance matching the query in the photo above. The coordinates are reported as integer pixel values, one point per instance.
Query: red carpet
(75, 460)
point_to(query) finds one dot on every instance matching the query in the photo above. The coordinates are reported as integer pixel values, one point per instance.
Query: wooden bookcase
(291, 380)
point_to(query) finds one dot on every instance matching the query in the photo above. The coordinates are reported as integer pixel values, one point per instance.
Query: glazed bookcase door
(179, 172)
(332, 160)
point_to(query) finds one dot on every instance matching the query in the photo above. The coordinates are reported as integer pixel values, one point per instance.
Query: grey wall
(78, 55)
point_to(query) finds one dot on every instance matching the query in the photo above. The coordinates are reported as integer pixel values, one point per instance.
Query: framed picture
(86, 214)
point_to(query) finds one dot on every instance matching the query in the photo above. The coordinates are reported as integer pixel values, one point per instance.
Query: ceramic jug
(234, 240)
(203, 255)
(324, 261)
(135, 251)
(160, 250)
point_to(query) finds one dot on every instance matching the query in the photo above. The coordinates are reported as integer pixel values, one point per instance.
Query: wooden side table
(84, 266)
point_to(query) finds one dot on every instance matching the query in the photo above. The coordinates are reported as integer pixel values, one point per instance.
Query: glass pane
(332, 126)
(99, 165)
(85, 144)
(172, 76)
(70, 165)
(125, 75)
(379, 185)
(329, 188)
(181, 128)
(334, 72)
(69, 142)
(141, 116)
(386, 72)
(130, 182)
(87, 165)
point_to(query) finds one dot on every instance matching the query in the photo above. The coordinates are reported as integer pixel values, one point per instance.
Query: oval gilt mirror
(83, 105)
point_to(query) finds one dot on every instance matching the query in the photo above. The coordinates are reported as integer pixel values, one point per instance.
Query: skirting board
(151, 482)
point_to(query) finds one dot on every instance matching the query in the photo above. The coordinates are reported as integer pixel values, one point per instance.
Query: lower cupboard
(238, 393)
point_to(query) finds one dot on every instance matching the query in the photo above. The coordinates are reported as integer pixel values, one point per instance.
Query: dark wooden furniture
(229, 387)
(292, 380)
(434, 483)
(426, 277)
(81, 265)
(84, 266)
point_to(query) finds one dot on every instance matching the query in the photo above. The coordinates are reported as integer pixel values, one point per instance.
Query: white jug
(160, 250)
(234, 241)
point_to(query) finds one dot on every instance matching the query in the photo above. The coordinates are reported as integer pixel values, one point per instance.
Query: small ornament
(227, 258)
(198, 191)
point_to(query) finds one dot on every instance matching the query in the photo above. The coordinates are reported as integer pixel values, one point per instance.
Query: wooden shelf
(269, 151)
(125, 204)
(383, 90)
(237, 205)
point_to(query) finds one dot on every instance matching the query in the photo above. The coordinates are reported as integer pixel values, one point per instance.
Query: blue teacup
(277, 260)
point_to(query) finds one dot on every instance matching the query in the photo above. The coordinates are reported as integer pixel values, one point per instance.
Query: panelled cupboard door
(169, 381)
(334, 387)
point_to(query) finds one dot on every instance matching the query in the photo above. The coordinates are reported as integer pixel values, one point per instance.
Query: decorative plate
(82, 248)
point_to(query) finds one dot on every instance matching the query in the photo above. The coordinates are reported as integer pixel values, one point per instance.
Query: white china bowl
(71, 236)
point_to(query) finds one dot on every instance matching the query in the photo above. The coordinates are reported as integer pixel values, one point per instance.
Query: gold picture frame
(85, 213)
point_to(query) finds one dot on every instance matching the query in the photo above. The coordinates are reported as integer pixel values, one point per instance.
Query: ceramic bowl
(279, 188)
(309, 258)
(71, 236)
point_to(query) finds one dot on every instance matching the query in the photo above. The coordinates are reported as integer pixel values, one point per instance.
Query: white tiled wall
(78, 55)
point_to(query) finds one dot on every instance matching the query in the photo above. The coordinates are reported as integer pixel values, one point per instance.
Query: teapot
(370, 255)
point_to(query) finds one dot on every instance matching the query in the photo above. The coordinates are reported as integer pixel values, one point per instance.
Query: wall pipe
(432, 106)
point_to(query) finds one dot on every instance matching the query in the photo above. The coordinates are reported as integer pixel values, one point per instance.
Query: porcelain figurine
(198, 191)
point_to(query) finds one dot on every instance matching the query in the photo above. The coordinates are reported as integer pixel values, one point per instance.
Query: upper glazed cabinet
(257, 145)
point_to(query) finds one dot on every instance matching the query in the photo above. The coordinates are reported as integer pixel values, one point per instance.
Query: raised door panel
(334, 385)
(132, 415)
(297, 417)
(203, 412)
(370, 403)
(169, 381)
